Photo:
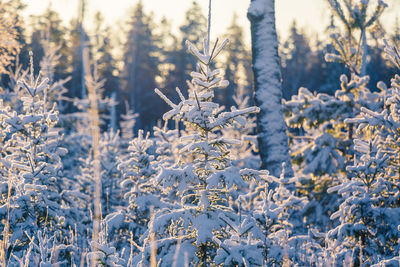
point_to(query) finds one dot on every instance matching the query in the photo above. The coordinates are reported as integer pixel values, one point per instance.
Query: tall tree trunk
(271, 127)
(363, 70)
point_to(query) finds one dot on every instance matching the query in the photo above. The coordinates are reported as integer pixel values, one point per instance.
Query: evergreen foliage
(84, 182)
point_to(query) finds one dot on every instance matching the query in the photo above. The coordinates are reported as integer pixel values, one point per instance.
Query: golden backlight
(311, 15)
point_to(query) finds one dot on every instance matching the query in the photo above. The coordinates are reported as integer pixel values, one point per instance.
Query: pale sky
(312, 15)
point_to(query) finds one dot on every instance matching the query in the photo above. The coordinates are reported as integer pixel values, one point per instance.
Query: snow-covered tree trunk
(271, 127)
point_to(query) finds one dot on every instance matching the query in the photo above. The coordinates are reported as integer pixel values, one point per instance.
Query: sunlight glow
(311, 15)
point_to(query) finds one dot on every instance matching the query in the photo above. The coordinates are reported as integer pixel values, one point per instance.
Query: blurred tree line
(145, 54)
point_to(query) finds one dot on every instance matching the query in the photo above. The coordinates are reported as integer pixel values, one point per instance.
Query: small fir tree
(204, 175)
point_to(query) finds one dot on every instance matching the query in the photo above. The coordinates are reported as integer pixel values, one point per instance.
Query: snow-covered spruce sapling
(279, 215)
(368, 215)
(245, 154)
(327, 113)
(139, 196)
(322, 148)
(321, 117)
(240, 248)
(31, 156)
(204, 175)
(325, 143)
(166, 142)
(111, 177)
(127, 125)
(137, 169)
(103, 252)
(110, 147)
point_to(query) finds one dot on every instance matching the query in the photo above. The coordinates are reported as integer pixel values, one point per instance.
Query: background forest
(244, 156)
(164, 63)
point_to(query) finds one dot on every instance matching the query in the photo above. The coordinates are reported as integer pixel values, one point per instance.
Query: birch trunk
(271, 127)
